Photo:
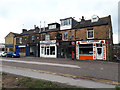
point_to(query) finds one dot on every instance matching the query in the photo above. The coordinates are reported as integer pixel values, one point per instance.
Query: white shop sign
(45, 42)
(20, 46)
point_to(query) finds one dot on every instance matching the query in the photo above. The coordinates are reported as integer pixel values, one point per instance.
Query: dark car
(12, 54)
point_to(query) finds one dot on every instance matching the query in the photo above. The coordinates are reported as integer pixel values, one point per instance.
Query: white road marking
(42, 63)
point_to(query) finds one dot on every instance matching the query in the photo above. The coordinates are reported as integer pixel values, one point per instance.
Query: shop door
(99, 53)
(42, 51)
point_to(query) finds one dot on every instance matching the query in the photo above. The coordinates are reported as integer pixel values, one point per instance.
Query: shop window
(47, 38)
(90, 34)
(86, 49)
(52, 50)
(47, 51)
(20, 40)
(21, 50)
(65, 36)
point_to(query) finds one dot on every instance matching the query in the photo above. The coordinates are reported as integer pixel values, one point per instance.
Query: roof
(82, 24)
(15, 34)
(88, 23)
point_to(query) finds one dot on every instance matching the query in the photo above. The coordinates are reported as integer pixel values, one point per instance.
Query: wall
(9, 38)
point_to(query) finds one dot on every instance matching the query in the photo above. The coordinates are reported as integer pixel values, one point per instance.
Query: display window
(86, 49)
(48, 51)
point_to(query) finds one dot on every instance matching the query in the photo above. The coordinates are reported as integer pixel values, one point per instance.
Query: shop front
(91, 50)
(48, 49)
(33, 49)
(21, 49)
(66, 49)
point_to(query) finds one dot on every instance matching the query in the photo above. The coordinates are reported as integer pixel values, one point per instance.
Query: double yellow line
(67, 75)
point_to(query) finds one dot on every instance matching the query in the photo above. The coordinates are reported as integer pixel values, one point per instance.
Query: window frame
(66, 38)
(47, 37)
(91, 30)
(20, 40)
(66, 22)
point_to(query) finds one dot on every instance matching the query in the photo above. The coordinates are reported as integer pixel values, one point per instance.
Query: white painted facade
(68, 26)
(48, 49)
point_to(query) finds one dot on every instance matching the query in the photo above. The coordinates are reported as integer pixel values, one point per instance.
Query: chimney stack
(24, 30)
(83, 19)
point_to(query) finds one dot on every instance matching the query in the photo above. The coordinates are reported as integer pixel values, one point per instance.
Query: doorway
(99, 53)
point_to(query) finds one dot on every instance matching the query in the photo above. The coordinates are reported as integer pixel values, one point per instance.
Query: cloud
(15, 13)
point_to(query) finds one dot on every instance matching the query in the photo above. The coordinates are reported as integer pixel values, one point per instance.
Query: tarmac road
(92, 69)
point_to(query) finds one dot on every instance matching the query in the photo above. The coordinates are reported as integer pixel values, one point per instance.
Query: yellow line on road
(67, 75)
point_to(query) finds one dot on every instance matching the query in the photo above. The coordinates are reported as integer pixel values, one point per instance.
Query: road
(93, 70)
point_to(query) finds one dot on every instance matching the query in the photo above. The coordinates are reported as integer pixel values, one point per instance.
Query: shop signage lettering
(21, 46)
(51, 41)
(96, 41)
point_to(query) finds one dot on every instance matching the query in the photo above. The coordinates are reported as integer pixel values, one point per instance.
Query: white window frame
(90, 31)
(66, 22)
(20, 40)
(52, 26)
(47, 37)
(64, 39)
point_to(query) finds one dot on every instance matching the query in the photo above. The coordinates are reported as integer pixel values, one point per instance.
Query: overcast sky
(18, 14)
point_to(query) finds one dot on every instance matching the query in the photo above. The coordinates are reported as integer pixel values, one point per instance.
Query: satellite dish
(95, 18)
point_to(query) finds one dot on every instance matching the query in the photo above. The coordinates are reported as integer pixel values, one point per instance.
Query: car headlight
(14, 54)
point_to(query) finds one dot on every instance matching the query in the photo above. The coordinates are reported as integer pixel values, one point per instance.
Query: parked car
(4, 54)
(1, 52)
(12, 54)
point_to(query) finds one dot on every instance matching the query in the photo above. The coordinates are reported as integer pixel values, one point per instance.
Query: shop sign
(73, 43)
(58, 44)
(45, 42)
(95, 41)
(20, 46)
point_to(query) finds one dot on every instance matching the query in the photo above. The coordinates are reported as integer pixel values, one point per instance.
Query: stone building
(87, 39)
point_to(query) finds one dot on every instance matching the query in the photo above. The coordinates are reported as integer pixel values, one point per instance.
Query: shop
(21, 49)
(65, 49)
(33, 49)
(9, 47)
(91, 50)
(48, 49)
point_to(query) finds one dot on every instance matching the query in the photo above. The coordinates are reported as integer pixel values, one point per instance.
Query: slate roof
(84, 24)
(88, 23)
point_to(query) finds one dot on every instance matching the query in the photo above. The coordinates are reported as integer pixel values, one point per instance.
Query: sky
(18, 14)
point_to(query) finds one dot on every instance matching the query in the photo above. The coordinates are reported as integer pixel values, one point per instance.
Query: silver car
(3, 53)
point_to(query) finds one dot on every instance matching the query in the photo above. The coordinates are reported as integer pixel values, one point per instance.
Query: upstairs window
(20, 40)
(66, 22)
(47, 38)
(65, 36)
(52, 26)
(33, 38)
(90, 34)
